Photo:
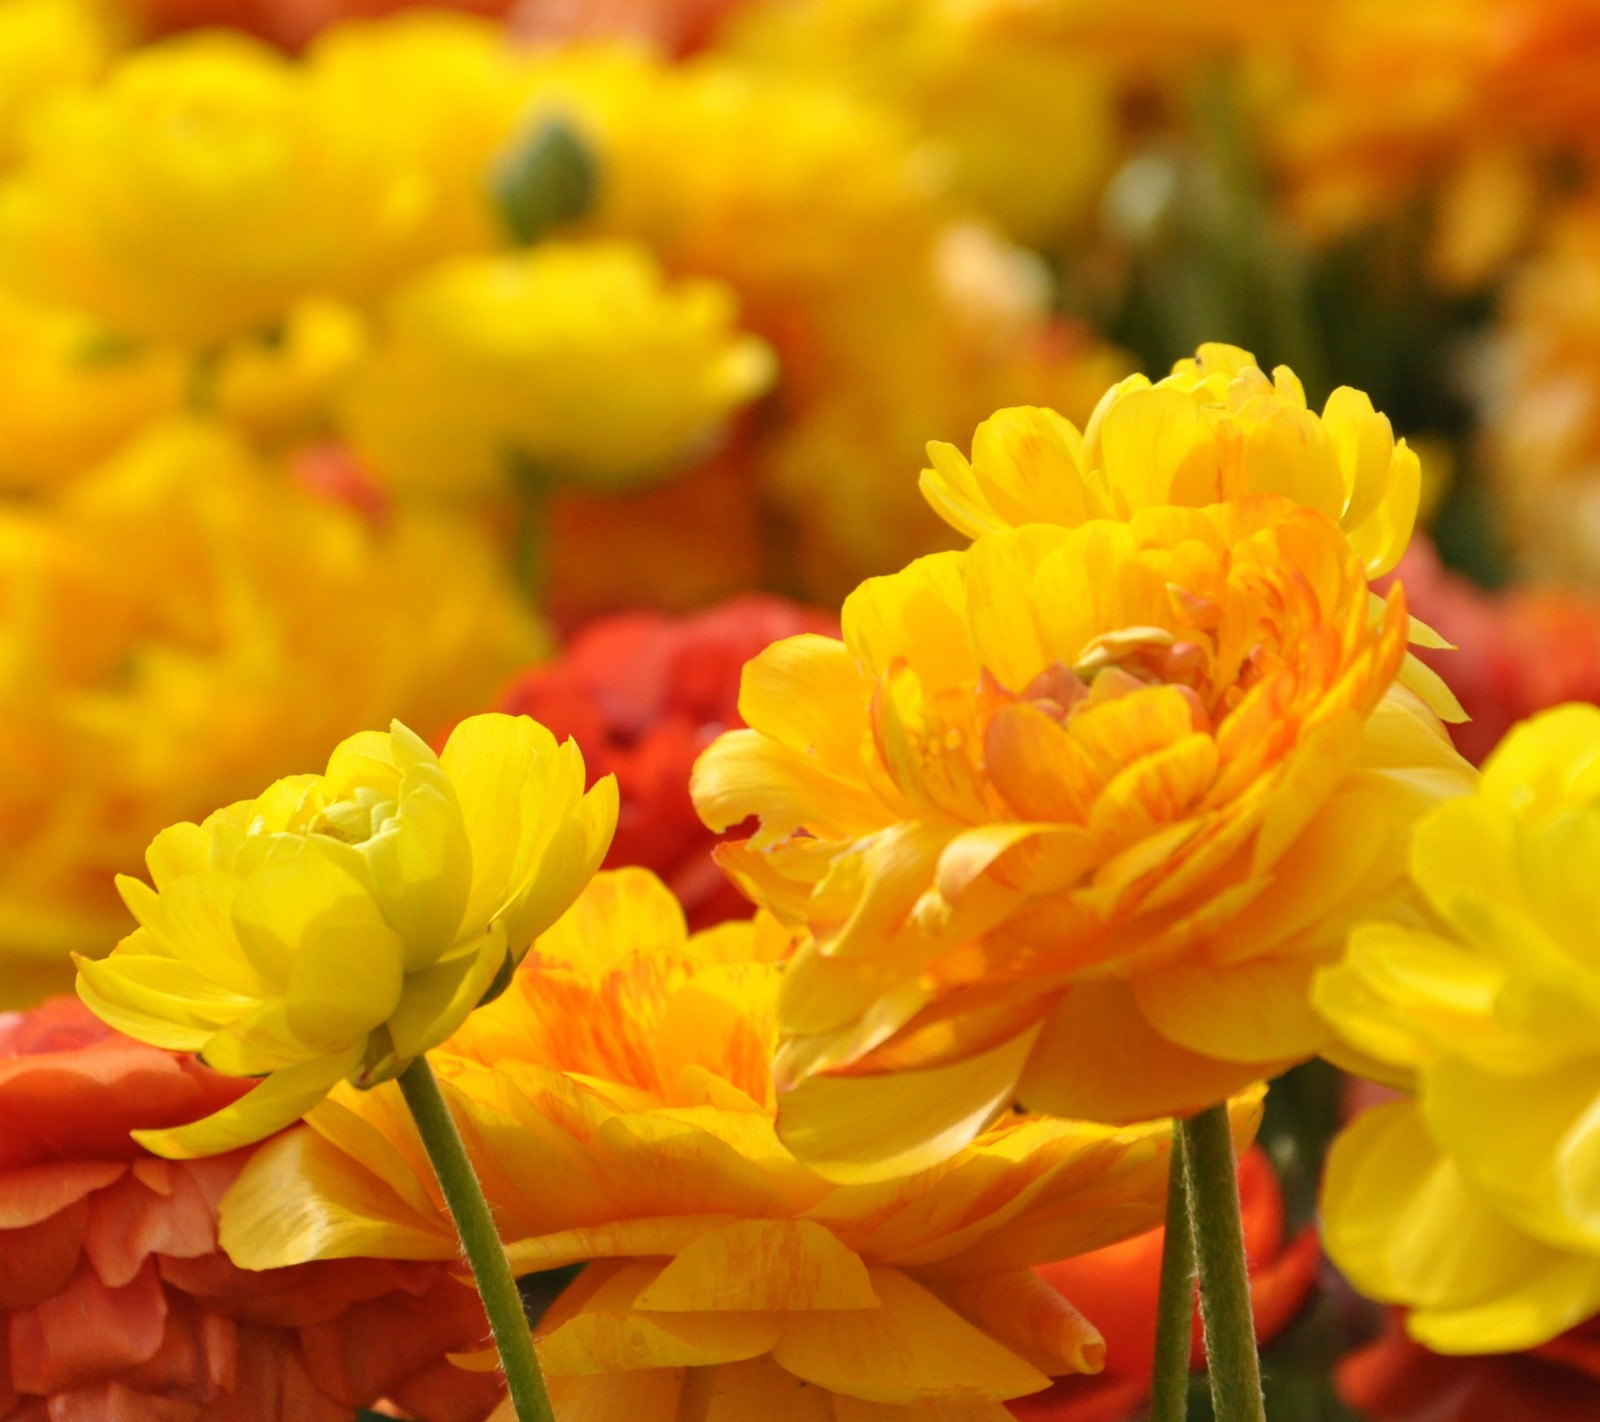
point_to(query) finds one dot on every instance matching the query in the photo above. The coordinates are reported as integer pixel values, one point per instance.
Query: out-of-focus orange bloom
(1396, 1379)
(290, 23)
(674, 26)
(1519, 651)
(114, 1298)
(644, 694)
(1123, 1281)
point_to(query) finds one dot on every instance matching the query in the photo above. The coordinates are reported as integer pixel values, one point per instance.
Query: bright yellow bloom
(1472, 1201)
(618, 1101)
(580, 361)
(1071, 816)
(69, 397)
(199, 192)
(47, 46)
(342, 924)
(1213, 430)
(184, 626)
(983, 95)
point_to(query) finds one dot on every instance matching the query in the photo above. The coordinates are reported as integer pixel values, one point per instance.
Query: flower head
(1470, 1200)
(1071, 815)
(644, 694)
(342, 924)
(115, 1299)
(617, 1102)
(580, 361)
(183, 625)
(1213, 430)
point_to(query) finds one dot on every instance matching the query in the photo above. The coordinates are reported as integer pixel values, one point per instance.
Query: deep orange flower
(1519, 651)
(644, 694)
(1396, 1379)
(1124, 1279)
(114, 1300)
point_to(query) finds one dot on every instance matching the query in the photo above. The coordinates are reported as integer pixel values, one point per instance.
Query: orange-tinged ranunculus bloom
(114, 1299)
(1071, 816)
(617, 1102)
(1123, 1281)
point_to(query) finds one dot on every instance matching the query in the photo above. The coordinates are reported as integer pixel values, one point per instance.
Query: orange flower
(1123, 1280)
(1071, 816)
(1398, 1380)
(617, 1101)
(113, 1295)
(644, 694)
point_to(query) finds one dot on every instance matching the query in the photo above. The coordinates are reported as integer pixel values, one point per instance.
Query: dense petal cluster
(114, 1298)
(342, 924)
(644, 694)
(1072, 815)
(563, 363)
(1215, 429)
(1123, 1280)
(183, 627)
(1470, 1200)
(617, 1101)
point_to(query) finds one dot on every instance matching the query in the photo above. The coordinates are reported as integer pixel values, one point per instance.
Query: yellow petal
(759, 1265)
(1254, 1013)
(277, 1101)
(911, 1349)
(745, 1392)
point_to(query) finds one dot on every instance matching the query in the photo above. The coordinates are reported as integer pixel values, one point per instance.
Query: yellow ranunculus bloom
(69, 397)
(1473, 1201)
(342, 924)
(1213, 430)
(1072, 816)
(201, 190)
(580, 360)
(618, 1104)
(47, 46)
(184, 625)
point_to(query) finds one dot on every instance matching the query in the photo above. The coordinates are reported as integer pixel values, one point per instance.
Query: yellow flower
(199, 192)
(342, 924)
(441, 93)
(1071, 816)
(981, 94)
(1472, 1200)
(183, 626)
(1213, 430)
(617, 1102)
(69, 397)
(47, 46)
(579, 360)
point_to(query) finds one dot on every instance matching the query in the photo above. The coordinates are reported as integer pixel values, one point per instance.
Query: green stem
(480, 1242)
(1230, 1331)
(1169, 1381)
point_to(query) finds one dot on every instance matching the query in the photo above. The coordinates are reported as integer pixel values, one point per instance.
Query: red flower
(116, 1305)
(1117, 1287)
(1518, 651)
(644, 694)
(1398, 1380)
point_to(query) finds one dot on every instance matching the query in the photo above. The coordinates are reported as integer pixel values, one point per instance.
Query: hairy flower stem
(1230, 1330)
(1169, 1382)
(480, 1242)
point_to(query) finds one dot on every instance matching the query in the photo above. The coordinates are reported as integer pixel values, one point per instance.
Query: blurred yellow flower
(47, 46)
(342, 924)
(1472, 1200)
(983, 95)
(69, 396)
(182, 627)
(617, 1102)
(1215, 429)
(1071, 816)
(579, 361)
(200, 191)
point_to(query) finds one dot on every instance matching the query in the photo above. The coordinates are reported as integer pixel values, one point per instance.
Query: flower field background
(817, 710)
